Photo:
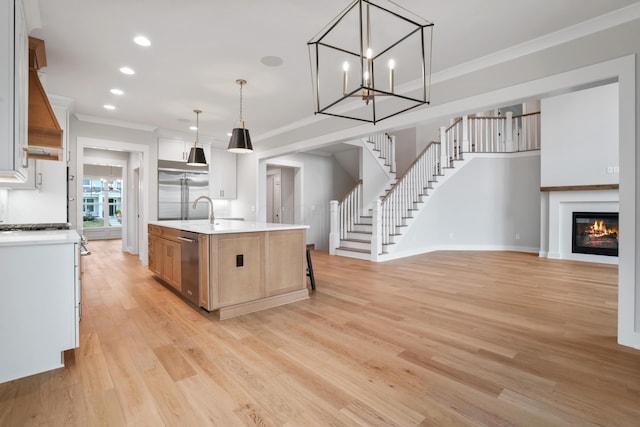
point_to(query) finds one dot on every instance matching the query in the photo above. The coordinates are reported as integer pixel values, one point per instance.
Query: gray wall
(491, 203)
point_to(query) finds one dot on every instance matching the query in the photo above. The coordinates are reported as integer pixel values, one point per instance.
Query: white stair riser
(362, 228)
(355, 245)
(359, 236)
(357, 255)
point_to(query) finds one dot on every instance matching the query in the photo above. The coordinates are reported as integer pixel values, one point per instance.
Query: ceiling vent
(45, 134)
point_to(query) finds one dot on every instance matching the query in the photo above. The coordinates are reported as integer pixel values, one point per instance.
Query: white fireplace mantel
(557, 208)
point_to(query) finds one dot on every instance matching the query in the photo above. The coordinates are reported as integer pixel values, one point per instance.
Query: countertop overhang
(223, 226)
(40, 237)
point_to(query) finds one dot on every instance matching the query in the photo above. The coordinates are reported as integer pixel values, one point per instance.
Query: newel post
(334, 227)
(376, 230)
(444, 161)
(508, 143)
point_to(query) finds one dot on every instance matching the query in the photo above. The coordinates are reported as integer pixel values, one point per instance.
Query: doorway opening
(114, 177)
(282, 195)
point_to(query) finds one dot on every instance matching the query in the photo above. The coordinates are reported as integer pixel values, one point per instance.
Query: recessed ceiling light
(193, 127)
(142, 41)
(271, 61)
(116, 91)
(109, 107)
(127, 70)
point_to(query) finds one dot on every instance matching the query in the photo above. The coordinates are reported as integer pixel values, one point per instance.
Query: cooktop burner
(36, 227)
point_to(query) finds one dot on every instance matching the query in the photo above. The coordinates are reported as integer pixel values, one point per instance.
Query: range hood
(45, 133)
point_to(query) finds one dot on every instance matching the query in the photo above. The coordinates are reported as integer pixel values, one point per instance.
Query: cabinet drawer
(164, 232)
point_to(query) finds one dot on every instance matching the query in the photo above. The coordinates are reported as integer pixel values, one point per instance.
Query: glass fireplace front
(595, 233)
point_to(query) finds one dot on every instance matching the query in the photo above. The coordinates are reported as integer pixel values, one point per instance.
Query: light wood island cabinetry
(164, 254)
(243, 266)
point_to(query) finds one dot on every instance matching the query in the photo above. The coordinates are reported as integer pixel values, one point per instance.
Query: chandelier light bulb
(369, 53)
(345, 77)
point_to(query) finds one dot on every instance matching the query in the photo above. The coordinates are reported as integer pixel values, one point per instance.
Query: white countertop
(41, 237)
(223, 226)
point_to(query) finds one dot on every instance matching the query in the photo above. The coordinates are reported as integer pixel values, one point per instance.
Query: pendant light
(196, 154)
(240, 141)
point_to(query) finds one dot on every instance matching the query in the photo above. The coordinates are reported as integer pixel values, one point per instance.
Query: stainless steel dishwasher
(190, 266)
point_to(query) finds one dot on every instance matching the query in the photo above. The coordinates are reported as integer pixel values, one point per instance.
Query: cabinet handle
(39, 180)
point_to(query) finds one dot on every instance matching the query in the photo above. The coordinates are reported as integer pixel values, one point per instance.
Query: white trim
(112, 122)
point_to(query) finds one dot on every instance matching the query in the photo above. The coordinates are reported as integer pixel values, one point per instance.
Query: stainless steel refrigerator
(178, 187)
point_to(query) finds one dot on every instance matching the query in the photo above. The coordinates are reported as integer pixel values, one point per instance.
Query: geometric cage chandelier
(371, 62)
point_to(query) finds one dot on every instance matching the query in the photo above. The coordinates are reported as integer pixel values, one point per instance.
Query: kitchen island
(241, 266)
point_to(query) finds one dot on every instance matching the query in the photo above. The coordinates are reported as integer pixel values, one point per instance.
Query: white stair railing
(397, 204)
(526, 132)
(385, 144)
(452, 147)
(487, 134)
(350, 209)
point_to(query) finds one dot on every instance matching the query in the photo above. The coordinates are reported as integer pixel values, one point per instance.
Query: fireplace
(595, 233)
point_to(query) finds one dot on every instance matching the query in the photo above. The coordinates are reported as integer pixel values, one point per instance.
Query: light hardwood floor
(442, 339)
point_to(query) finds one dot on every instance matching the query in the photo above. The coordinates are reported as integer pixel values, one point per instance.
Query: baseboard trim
(261, 304)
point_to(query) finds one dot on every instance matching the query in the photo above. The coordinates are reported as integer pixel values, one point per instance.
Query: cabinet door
(172, 149)
(171, 263)
(154, 248)
(14, 87)
(223, 174)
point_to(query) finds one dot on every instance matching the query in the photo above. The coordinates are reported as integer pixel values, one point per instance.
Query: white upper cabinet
(173, 149)
(14, 72)
(222, 179)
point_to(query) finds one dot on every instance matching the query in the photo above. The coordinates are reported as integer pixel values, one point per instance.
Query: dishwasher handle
(184, 239)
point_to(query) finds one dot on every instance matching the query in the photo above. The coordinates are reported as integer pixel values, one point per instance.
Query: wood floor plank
(442, 339)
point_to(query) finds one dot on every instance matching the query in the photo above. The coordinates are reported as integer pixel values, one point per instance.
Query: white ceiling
(200, 47)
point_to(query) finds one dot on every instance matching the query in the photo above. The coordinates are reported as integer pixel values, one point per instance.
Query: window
(101, 202)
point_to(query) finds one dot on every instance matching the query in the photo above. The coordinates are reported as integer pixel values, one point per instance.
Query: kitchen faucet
(212, 217)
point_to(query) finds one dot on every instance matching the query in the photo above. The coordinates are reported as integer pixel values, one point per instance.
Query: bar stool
(310, 267)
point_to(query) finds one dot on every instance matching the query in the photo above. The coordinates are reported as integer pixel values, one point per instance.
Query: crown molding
(110, 122)
(576, 31)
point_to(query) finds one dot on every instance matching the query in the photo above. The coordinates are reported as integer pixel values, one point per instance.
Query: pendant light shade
(196, 154)
(197, 157)
(240, 141)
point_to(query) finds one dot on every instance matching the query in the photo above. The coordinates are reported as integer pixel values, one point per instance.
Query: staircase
(356, 235)
(372, 232)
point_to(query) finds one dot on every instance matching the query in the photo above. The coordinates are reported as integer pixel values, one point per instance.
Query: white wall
(406, 149)
(4, 205)
(349, 160)
(287, 192)
(374, 179)
(491, 203)
(579, 137)
(49, 202)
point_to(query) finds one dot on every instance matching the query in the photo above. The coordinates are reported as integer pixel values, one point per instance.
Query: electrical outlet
(609, 169)
(517, 236)
(451, 236)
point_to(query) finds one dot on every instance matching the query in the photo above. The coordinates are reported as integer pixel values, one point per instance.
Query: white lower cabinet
(39, 305)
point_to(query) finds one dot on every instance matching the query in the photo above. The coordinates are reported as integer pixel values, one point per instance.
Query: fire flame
(599, 229)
